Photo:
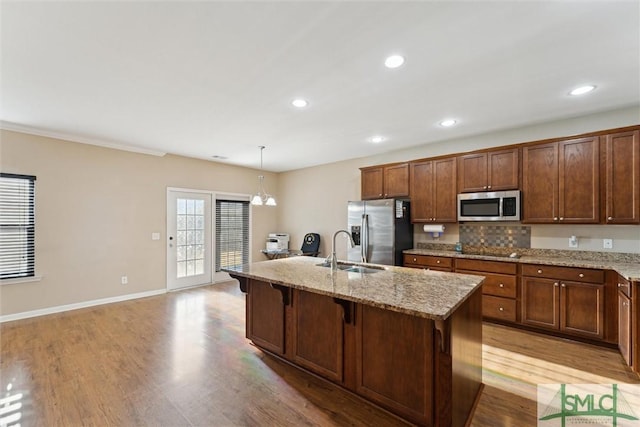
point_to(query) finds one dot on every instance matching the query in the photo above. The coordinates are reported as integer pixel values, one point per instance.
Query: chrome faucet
(333, 259)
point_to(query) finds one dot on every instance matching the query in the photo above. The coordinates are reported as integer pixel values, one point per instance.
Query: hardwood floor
(182, 359)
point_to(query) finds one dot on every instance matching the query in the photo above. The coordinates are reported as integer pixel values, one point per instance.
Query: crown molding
(15, 127)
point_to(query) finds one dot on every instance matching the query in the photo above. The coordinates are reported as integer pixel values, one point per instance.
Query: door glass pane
(190, 227)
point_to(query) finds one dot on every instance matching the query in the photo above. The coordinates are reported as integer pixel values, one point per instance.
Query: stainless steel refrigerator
(381, 230)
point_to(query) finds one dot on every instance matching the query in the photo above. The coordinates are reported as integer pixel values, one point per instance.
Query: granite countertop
(430, 294)
(624, 265)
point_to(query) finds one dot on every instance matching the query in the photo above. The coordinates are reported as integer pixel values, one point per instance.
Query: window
(17, 226)
(232, 234)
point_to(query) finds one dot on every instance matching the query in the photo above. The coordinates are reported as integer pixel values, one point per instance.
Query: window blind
(232, 234)
(17, 226)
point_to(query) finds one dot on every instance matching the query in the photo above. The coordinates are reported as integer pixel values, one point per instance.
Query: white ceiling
(216, 78)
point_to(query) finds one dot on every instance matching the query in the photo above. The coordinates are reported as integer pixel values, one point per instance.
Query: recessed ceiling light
(394, 61)
(299, 103)
(448, 122)
(376, 139)
(582, 90)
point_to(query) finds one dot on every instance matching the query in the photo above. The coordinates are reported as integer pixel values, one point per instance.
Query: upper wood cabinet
(560, 182)
(489, 171)
(622, 178)
(381, 182)
(433, 190)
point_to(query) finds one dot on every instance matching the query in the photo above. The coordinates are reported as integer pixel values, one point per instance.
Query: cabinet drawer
(499, 308)
(563, 273)
(486, 266)
(499, 285)
(428, 261)
(624, 286)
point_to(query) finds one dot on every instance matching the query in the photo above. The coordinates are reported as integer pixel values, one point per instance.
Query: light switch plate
(607, 243)
(155, 236)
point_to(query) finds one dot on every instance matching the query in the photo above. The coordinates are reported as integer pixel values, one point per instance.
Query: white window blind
(232, 234)
(17, 226)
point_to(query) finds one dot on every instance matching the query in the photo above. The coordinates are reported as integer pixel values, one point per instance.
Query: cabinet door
(472, 173)
(265, 316)
(395, 367)
(318, 336)
(421, 191)
(540, 183)
(579, 183)
(371, 183)
(582, 309)
(622, 151)
(624, 326)
(396, 181)
(540, 299)
(444, 190)
(503, 170)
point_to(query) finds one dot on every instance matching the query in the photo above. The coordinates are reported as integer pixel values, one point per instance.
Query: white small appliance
(278, 242)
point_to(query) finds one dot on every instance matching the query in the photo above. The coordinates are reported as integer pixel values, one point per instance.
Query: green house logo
(588, 404)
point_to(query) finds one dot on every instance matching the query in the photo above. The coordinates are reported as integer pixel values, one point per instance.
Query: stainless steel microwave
(492, 206)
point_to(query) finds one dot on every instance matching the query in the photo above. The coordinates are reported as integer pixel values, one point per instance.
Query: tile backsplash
(501, 236)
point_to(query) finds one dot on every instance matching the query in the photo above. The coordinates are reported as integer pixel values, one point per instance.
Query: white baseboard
(84, 304)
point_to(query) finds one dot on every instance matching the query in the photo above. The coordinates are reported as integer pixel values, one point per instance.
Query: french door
(188, 239)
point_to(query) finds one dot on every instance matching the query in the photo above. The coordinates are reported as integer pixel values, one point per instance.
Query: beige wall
(316, 197)
(95, 211)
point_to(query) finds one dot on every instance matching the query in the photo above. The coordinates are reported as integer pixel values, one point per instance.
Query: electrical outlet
(573, 242)
(607, 243)
(124, 280)
(155, 236)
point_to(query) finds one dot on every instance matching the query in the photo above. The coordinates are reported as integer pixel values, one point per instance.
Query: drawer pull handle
(609, 218)
(539, 271)
(501, 285)
(580, 275)
(619, 285)
(555, 284)
(438, 262)
(563, 285)
(501, 309)
(414, 260)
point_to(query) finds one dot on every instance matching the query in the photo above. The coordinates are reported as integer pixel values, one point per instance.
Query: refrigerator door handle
(364, 244)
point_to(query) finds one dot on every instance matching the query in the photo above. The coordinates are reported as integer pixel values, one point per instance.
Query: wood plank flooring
(182, 359)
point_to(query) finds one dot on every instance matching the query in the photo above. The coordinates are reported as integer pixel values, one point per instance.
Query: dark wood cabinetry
(438, 263)
(489, 171)
(625, 320)
(569, 300)
(560, 182)
(381, 182)
(499, 289)
(266, 316)
(318, 334)
(390, 370)
(433, 191)
(622, 177)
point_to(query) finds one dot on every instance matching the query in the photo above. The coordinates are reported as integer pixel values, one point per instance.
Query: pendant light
(262, 197)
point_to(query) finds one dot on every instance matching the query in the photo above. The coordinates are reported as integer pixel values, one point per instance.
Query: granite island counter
(407, 340)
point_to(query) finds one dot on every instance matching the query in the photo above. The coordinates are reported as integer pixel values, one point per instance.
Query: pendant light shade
(262, 197)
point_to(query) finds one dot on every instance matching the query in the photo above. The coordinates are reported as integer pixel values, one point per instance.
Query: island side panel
(266, 316)
(394, 362)
(459, 363)
(317, 335)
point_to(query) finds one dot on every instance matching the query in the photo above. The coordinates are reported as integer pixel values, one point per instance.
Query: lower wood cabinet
(499, 289)
(318, 334)
(428, 372)
(391, 370)
(552, 302)
(266, 316)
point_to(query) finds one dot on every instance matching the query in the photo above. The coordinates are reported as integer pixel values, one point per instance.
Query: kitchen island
(407, 340)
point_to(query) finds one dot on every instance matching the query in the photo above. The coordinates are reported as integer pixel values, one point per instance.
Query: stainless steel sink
(354, 268)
